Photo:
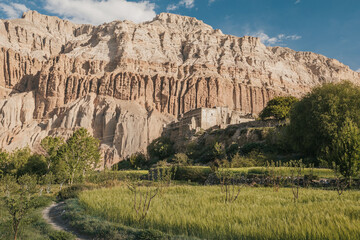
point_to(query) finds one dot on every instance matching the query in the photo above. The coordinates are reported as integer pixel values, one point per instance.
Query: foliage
(161, 148)
(35, 165)
(20, 199)
(51, 145)
(199, 211)
(278, 108)
(219, 151)
(135, 162)
(80, 154)
(73, 191)
(33, 225)
(316, 119)
(181, 159)
(241, 161)
(138, 160)
(277, 140)
(10, 163)
(345, 150)
(192, 174)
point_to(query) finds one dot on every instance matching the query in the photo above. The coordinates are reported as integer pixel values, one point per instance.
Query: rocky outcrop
(82, 75)
(123, 127)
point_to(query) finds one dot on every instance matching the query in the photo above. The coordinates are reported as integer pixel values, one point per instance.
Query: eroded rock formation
(123, 80)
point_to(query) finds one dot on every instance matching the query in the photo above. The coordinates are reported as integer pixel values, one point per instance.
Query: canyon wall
(123, 81)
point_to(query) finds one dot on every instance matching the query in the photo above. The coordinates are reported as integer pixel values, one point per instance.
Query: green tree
(161, 148)
(10, 163)
(345, 150)
(278, 108)
(4, 158)
(181, 159)
(20, 199)
(218, 151)
(35, 165)
(51, 145)
(138, 160)
(80, 154)
(316, 119)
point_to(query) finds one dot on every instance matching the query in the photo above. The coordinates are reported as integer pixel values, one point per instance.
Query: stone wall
(205, 118)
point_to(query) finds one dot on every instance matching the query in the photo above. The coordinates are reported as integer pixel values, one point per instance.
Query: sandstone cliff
(123, 80)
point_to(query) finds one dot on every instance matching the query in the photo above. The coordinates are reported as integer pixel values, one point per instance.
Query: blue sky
(328, 27)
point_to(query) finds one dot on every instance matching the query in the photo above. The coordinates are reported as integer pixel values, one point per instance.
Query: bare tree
(143, 196)
(341, 184)
(229, 185)
(296, 170)
(275, 173)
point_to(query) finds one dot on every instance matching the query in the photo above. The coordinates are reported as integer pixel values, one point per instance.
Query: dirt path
(52, 216)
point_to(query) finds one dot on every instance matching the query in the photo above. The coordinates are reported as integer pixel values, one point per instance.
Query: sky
(328, 27)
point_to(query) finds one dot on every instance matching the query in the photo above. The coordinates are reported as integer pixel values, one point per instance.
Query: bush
(123, 165)
(35, 165)
(61, 235)
(238, 161)
(73, 191)
(161, 148)
(193, 174)
(181, 159)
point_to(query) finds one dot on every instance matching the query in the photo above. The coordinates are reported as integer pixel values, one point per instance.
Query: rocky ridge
(124, 81)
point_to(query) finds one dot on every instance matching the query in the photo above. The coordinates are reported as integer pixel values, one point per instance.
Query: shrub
(193, 174)
(73, 191)
(181, 159)
(35, 165)
(161, 148)
(238, 161)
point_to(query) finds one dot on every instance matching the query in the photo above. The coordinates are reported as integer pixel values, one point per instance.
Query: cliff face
(56, 76)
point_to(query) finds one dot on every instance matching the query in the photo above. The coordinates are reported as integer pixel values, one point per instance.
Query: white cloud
(172, 7)
(182, 3)
(211, 1)
(13, 10)
(358, 70)
(267, 40)
(187, 3)
(297, 1)
(98, 12)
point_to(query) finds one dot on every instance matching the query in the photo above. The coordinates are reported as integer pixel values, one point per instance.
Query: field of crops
(258, 213)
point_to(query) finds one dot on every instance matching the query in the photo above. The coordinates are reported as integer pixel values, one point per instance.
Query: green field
(259, 213)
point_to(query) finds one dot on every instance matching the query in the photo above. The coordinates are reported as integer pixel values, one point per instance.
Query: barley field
(258, 213)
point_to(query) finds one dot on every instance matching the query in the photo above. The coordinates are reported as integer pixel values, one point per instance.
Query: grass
(259, 213)
(33, 226)
(99, 228)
